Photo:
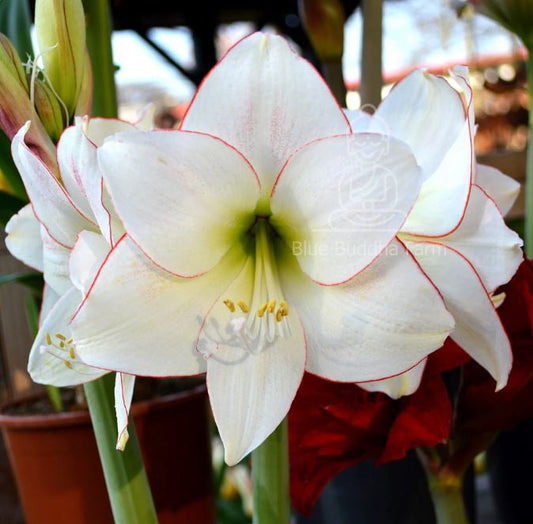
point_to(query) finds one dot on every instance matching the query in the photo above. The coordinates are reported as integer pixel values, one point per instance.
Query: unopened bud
(16, 107)
(60, 29)
(50, 110)
(324, 23)
(11, 62)
(85, 99)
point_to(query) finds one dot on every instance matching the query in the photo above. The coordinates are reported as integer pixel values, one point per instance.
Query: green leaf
(33, 281)
(15, 23)
(9, 170)
(9, 205)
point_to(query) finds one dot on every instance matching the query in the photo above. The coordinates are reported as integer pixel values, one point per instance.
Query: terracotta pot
(60, 480)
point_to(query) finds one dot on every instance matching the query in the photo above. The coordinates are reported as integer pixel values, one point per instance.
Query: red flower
(334, 425)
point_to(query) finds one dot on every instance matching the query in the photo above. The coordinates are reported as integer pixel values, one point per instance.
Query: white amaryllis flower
(260, 242)
(66, 232)
(456, 229)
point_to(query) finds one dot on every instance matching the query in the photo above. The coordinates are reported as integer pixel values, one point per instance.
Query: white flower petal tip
(479, 331)
(341, 200)
(427, 113)
(124, 385)
(52, 205)
(23, 238)
(399, 386)
(272, 110)
(503, 189)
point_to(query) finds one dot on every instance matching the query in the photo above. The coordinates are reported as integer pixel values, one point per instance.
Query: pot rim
(81, 417)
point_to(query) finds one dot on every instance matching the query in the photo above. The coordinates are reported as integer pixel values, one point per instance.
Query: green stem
(99, 44)
(270, 476)
(529, 169)
(448, 503)
(125, 476)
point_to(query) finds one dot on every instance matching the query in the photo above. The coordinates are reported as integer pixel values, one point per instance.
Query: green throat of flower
(264, 319)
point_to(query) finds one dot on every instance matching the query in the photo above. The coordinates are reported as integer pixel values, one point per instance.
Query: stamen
(72, 353)
(261, 310)
(68, 364)
(60, 337)
(230, 305)
(244, 307)
(48, 339)
(272, 305)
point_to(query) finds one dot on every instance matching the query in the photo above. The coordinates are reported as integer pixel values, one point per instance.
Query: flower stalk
(270, 477)
(448, 503)
(125, 476)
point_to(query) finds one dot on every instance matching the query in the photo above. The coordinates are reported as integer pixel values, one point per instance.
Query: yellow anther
(60, 337)
(48, 339)
(71, 353)
(262, 309)
(61, 344)
(283, 311)
(244, 307)
(272, 305)
(67, 363)
(230, 305)
(69, 341)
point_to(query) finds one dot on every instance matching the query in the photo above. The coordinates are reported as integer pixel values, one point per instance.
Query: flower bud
(86, 92)
(324, 22)
(514, 15)
(16, 107)
(60, 29)
(49, 109)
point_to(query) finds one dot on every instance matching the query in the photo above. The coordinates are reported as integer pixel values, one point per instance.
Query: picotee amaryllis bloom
(66, 232)
(456, 229)
(260, 241)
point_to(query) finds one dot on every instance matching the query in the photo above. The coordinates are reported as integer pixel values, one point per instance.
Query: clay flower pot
(58, 473)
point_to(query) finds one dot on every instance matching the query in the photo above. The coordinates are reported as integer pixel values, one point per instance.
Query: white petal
(92, 133)
(145, 121)
(427, 113)
(267, 102)
(488, 244)
(55, 264)
(50, 297)
(250, 392)
(124, 385)
(86, 257)
(198, 201)
(444, 195)
(501, 188)
(478, 328)
(141, 320)
(69, 156)
(359, 120)
(378, 324)
(400, 385)
(23, 238)
(98, 129)
(47, 368)
(339, 201)
(51, 203)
